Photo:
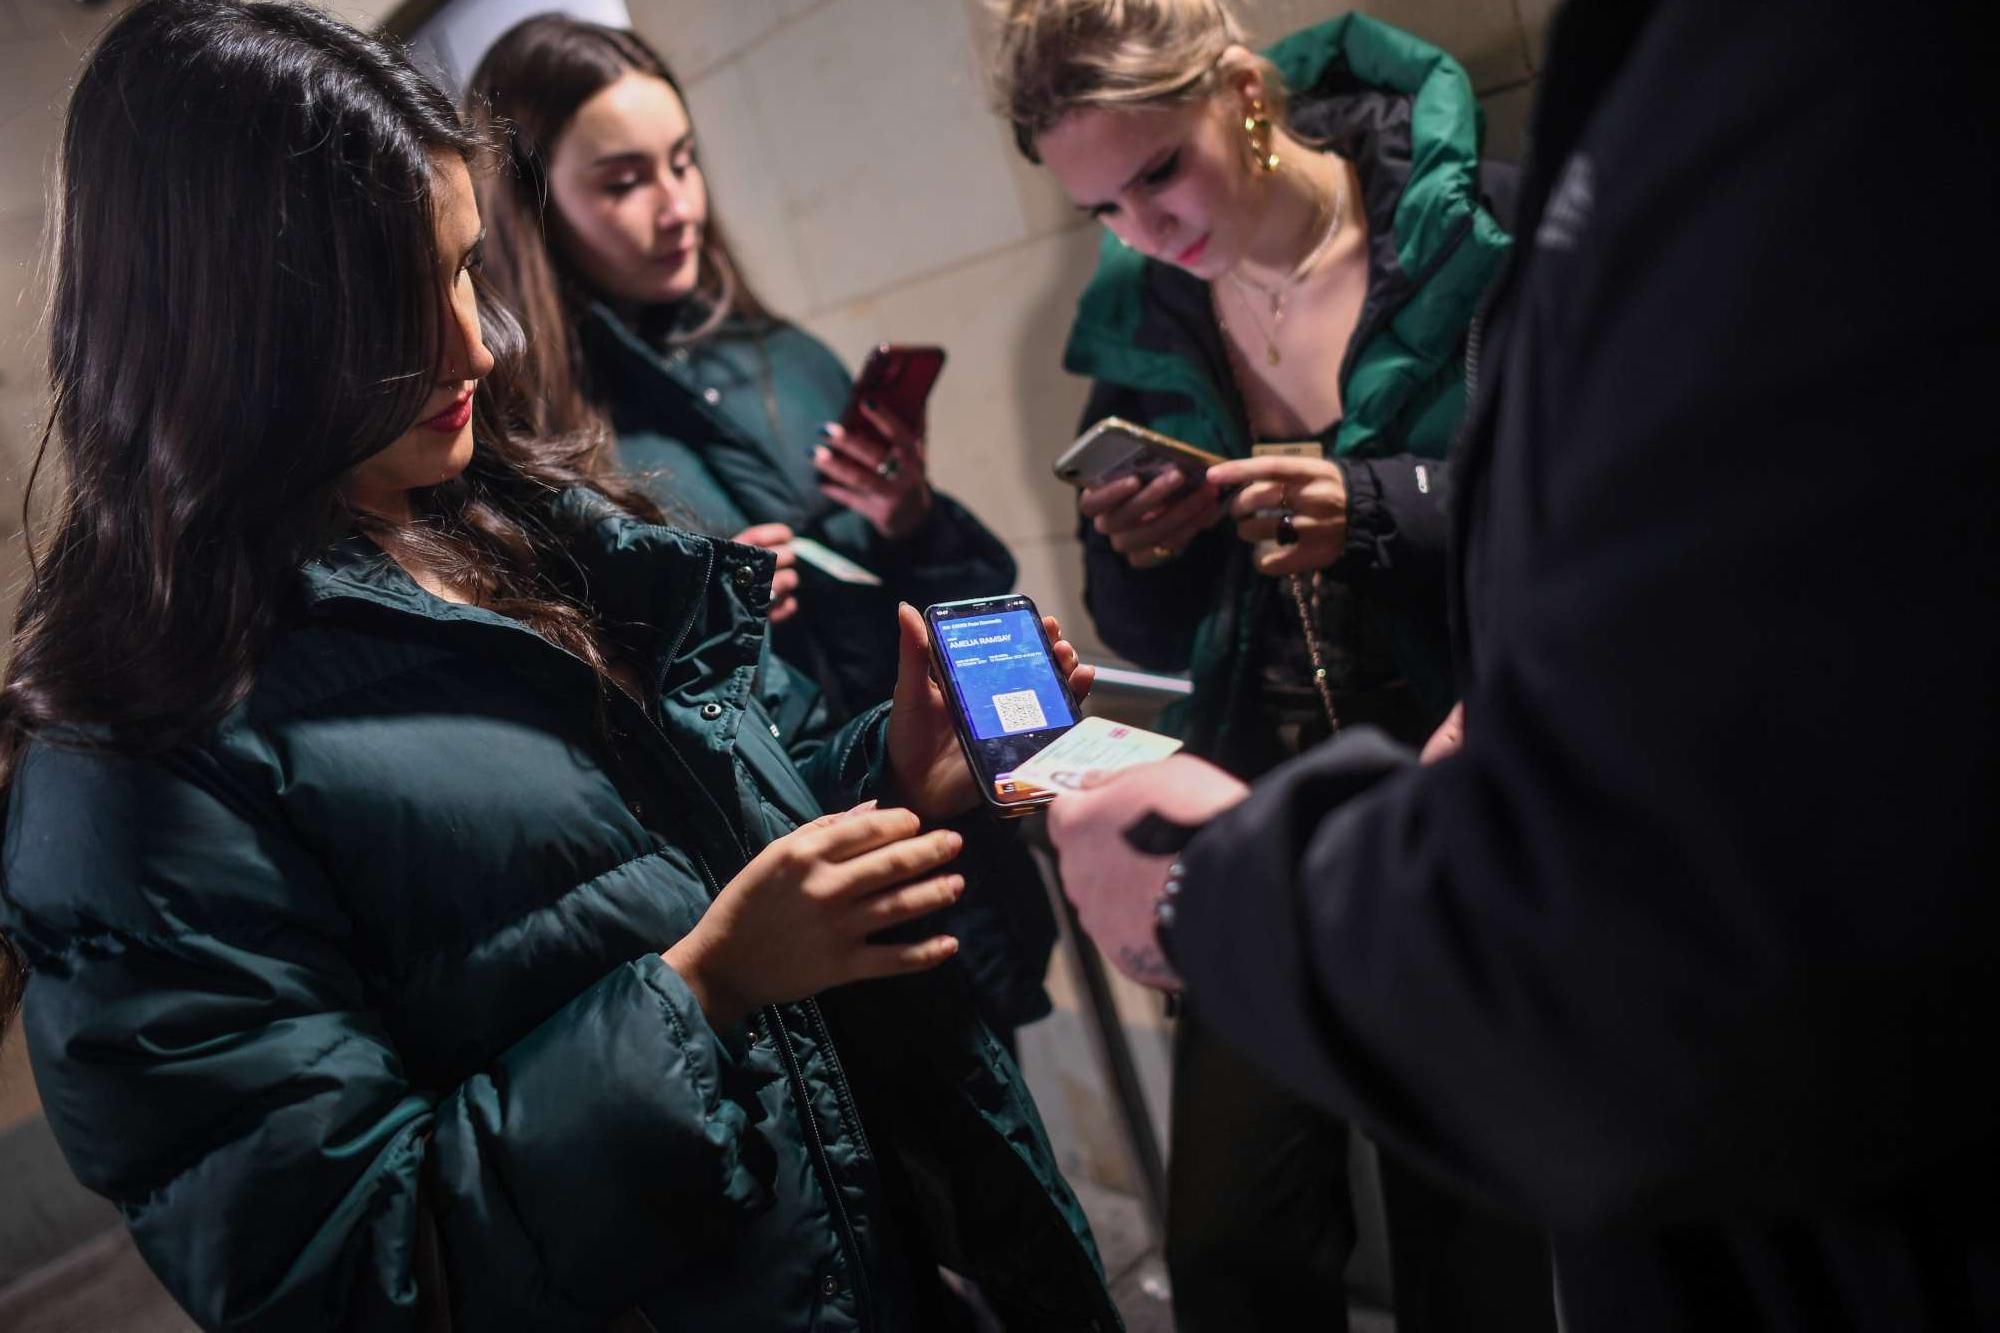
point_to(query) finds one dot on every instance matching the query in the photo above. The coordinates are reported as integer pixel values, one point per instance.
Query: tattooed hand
(1115, 886)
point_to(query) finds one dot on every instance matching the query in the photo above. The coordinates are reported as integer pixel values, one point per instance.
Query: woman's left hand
(880, 475)
(928, 767)
(1313, 491)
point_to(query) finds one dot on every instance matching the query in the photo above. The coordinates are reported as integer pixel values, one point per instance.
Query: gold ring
(1162, 551)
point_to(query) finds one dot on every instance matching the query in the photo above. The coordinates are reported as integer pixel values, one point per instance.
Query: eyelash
(618, 189)
(1152, 180)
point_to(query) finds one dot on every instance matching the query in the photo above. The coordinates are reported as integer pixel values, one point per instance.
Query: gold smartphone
(1114, 447)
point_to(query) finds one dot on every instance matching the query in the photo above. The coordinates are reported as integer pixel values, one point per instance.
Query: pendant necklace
(1277, 295)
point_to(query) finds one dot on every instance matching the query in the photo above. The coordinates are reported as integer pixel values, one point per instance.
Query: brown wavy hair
(245, 305)
(523, 95)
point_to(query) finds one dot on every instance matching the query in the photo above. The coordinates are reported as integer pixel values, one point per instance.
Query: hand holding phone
(873, 459)
(1147, 493)
(1008, 686)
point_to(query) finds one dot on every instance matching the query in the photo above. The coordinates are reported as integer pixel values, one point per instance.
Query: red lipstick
(1193, 253)
(452, 420)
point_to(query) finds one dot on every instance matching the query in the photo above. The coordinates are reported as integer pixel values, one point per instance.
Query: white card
(831, 562)
(1094, 745)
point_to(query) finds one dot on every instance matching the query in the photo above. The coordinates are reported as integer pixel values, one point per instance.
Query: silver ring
(889, 468)
(1287, 534)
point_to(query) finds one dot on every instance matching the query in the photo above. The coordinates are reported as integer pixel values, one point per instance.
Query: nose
(466, 357)
(676, 208)
(1152, 228)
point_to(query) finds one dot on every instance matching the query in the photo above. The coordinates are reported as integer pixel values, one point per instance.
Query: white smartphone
(1114, 447)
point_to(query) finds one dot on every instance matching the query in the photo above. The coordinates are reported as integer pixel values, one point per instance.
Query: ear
(1242, 78)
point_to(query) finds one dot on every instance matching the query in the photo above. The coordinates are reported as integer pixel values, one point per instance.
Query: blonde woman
(1296, 247)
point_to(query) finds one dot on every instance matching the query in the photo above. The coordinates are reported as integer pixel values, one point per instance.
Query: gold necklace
(1277, 295)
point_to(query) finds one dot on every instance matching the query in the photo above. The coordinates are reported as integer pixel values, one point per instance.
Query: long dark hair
(524, 94)
(13, 979)
(246, 305)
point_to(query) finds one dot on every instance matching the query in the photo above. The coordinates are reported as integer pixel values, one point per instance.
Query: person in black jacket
(1689, 949)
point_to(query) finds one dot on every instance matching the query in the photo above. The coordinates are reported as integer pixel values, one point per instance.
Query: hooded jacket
(354, 1005)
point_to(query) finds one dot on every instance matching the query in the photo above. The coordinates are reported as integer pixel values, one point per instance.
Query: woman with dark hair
(604, 239)
(602, 236)
(430, 925)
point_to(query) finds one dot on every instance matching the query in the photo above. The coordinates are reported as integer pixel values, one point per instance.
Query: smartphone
(898, 381)
(1113, 447)
(1007, 698)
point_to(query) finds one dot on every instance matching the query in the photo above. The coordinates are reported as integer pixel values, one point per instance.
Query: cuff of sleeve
(1370, 524)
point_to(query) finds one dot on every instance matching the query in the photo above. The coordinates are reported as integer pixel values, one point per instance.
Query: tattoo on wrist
(1148, 966)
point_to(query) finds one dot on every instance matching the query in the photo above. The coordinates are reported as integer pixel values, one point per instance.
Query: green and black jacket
(1145, 332)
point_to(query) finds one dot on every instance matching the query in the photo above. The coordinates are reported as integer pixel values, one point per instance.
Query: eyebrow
(633, 154)
(1152, 164)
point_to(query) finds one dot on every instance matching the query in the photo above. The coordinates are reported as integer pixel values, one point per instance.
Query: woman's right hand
(1150, 522)
(796, 920)
(777, 539)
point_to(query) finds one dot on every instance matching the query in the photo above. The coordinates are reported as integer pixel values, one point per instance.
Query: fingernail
(954, 842)
(826, 430)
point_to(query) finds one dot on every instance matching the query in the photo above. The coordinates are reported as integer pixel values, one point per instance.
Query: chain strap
(1308, 608)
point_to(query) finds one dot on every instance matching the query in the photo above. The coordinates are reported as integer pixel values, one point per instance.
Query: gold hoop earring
(1257, 131)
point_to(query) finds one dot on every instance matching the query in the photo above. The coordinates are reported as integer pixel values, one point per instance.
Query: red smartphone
(896, 380)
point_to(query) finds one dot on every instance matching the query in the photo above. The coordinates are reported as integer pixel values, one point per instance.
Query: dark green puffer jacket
(354, 1006)
(1145, 332)
(721, 434)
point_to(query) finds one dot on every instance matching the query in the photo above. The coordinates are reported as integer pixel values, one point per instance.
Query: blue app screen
(1007, 682)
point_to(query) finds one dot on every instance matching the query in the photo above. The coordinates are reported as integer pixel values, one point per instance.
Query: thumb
(913, 670)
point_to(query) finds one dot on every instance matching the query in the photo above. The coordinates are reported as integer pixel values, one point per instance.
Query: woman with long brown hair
(430, 925)
(603, 236)
(605, 239)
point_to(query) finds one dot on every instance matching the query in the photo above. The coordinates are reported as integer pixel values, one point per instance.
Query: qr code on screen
(1020, 711)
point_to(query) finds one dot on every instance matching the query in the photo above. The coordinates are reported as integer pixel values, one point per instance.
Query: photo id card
(1094, 745)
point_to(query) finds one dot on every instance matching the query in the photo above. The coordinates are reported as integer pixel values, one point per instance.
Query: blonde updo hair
(1058, 56)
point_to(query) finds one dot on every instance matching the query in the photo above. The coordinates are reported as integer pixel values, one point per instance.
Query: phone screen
(1009, 698)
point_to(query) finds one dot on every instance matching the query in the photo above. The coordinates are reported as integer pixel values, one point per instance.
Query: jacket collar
(628, 570)
(1405, 113)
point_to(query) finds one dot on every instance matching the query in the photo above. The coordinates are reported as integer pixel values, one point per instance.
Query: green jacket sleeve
(211, 1061)
(843, 764)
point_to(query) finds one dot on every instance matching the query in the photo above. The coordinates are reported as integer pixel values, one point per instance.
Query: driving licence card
(831, 562)
(1094, 745)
